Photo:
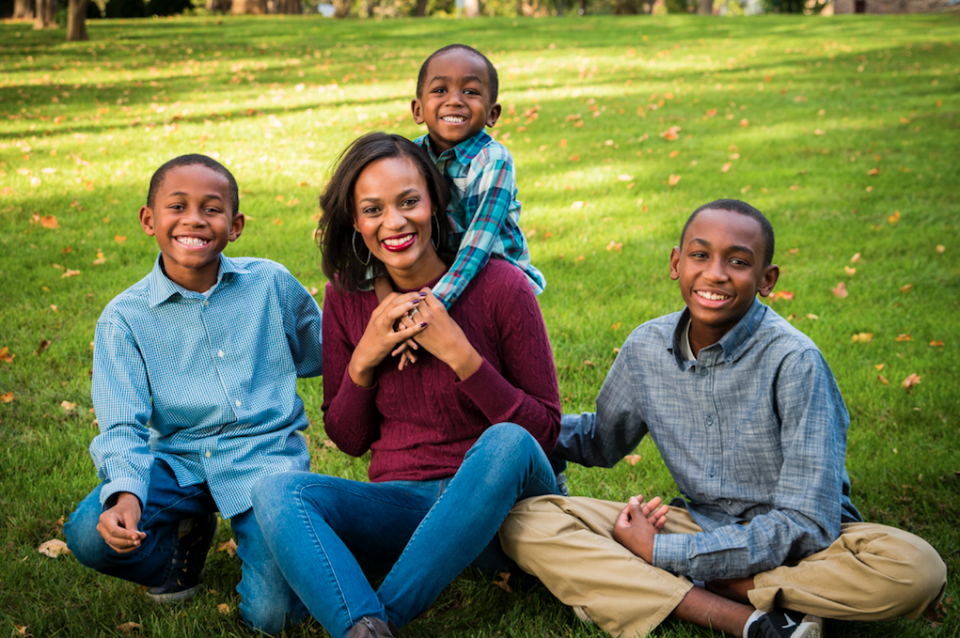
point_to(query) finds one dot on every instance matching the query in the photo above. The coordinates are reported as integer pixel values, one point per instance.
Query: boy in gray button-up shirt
(752, 426)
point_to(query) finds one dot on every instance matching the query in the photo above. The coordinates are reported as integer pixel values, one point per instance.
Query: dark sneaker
(183, 581)
(781, 623)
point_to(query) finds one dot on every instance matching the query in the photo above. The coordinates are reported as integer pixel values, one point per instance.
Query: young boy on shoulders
(457, 98)
(194, 387)
(751, 424)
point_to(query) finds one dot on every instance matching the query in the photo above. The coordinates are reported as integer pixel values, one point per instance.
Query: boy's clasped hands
(638, 523)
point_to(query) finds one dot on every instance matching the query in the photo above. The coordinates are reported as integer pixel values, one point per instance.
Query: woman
(456, 438)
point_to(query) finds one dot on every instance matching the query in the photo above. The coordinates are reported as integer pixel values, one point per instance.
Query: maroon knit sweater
(420, 422)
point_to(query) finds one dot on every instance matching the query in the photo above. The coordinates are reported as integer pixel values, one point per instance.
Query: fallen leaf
(873, 171)
(70, 273)
(862, 337)
(223, 608)
(54, 548)
(574, 158)
(906, 288)
(5, 355)
(69, 407)
(587, 363)
(674, 180)
(100, 260)
(840, 290)
(855, 258)
(910, 381)
(744, 122)
(128, 627)
(313, 291)
(578, 204)
(880, 366)
(614, 246)
(504, 582)
(893, 219)
(6, 398)
(936, 344)
(882, 379)
(625, 177)
(850, 271)
(632, 459)
(903, 337)
(671, 133)
(812, 316)
(786, 295)
(44, 344)
(49, 222)
(278, 221)
(119, 239)
(329, 443)
(616, 326)
(941, 248)
(53, 307)
(230, 547)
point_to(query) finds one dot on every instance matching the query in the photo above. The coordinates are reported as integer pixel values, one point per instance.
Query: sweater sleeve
(525, 389)
(349, 411)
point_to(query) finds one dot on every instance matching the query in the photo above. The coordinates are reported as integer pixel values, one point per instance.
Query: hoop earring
(353, 242)
(435, 239)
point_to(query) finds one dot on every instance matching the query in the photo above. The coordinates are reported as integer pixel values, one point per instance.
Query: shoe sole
(176, 597)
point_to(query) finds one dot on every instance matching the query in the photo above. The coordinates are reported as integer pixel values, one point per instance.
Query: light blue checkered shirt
(754, 432)
(483, 211)
(207, 385)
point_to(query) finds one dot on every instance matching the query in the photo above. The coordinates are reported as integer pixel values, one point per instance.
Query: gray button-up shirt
(754, 432)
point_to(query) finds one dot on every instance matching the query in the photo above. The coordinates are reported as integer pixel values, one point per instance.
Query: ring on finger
(411, 313)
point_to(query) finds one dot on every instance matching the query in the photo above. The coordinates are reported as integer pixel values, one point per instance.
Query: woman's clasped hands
(404, 317)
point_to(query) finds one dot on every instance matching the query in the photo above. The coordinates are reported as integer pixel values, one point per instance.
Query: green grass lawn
(843, 130)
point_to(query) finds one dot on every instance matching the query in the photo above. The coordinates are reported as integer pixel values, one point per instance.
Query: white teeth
(712, 296)
(396, 241)
(192, 241)
(453, 118)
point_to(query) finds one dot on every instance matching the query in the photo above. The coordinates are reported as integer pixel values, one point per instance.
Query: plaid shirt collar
(465, 151)
(162, 288)
(732, 345)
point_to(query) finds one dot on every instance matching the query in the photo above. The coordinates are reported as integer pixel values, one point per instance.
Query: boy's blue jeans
(267, 603)
(328, 534)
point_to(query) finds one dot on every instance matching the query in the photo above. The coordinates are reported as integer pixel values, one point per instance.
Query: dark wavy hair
(338, 212)
(194, 160)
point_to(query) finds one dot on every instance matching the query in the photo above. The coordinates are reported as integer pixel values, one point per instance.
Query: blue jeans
(328, 534)
(267, 603)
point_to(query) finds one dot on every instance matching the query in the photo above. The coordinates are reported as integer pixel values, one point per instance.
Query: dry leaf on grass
(936, 344)
(229, 547)
(504, 582)
(614, 246)
(893, 219)
(54, 548)
(903, 337)
(69, 407)
(862, 337)
(910, 381)
(882, 379)
(44, 344)
(840, 290)
(5, 355)
(223, 608)
(855, 258)
(6, 398)
(632, 459)
(906, 288)
(674, 180)
(128, 627)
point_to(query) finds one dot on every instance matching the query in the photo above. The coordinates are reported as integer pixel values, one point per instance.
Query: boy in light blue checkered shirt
(194, 387)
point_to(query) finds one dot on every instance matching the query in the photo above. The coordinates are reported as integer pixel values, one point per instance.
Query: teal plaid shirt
(206, 383)
(484, 212)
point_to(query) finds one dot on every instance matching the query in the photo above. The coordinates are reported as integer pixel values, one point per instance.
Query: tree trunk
(23, 10)
(46, 17)
(249, 7)
(341, 8)
(77, 21)
(371, 8)
(559, 6)
(583, 7)
(421, 9)
(219, 5)
(705, 7)
(471, 8)
(289, 7)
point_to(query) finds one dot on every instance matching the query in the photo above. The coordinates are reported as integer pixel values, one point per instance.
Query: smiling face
(394, 215)
(455, 103)
(193, 220)
(720, 269)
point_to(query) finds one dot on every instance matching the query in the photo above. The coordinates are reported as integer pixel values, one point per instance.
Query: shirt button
(206, 302)
(709, 420)
(220, 354)
(209, 454)
(704, 372)
(238, 403)
(713, 473)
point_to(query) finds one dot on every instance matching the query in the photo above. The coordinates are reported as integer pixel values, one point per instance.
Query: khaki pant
(872, 572)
